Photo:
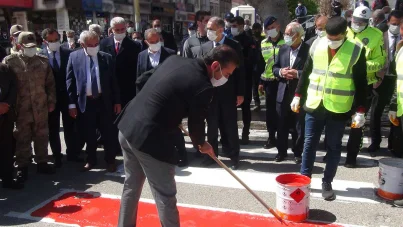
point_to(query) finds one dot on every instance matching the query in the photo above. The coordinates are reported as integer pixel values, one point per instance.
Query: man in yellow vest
(396, 105)
(333, 79)
(268, 82)
(372, 39)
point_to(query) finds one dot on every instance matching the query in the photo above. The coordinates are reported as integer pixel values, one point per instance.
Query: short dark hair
(48, 31)
(395, 13)
(200, 15)
(224, 54)
(257, 26)
(336, 26)
(239, 20)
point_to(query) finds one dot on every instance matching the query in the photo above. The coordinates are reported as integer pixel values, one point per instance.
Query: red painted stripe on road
(84, 209)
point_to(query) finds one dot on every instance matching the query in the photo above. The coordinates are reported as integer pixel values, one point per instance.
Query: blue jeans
(314, 124)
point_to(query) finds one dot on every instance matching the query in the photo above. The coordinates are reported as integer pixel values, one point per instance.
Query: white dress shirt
(391, 38)
(50, 56)
(154, 58)
(88, 89)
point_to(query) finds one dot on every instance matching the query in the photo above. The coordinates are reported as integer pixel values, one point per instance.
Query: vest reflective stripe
(399, 82)
(269, 53)
(332, 83)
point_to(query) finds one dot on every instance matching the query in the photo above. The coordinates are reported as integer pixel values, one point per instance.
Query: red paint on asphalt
(86, 210)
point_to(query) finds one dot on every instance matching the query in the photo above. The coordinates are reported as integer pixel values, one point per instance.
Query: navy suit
(61, 107)
(286, 90)
(144, 63)
(94, 112)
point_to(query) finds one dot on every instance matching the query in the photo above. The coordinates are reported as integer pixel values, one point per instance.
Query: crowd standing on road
(129, 92)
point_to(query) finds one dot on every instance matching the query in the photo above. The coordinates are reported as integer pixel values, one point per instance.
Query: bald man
(320, 25)
(169, 39)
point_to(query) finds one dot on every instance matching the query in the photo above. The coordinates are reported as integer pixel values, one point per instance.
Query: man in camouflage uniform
(36, 96)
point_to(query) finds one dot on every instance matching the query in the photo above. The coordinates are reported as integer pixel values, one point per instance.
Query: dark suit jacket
(144, 63)
(77, 80)
(126, 65)
(8, 85)
(287, 87)
(66, 45)
(60, 76)
(236, 83)
(179, 88)
(169, 41)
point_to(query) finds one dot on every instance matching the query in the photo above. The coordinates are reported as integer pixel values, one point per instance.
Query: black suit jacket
(144, 63)
(77, 80)
(178, 88)
(236, 82)
(288, 87)
(169, 41)
(60, 76)
(126, 65)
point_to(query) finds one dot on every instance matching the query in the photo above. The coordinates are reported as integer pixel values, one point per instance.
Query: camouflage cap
(27, 39)
(15, 30)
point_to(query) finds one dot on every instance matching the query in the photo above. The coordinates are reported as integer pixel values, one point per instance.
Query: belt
(94, 97)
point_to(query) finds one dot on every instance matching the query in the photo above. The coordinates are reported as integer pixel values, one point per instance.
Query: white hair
(85, 35)
(296, 28)
(149, 32)
(117, 20)
(95, 28)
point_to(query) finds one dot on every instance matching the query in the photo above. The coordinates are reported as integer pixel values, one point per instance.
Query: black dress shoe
(244, 140)
(13, 184)
(298, 160)
(350, 165)
(207, 161)
(234, 165)
(183, 163)
(87, 167)
(280, 158)
(58, 163)
(45, 168)
(22, 174)
(75, 159)
(270, 143)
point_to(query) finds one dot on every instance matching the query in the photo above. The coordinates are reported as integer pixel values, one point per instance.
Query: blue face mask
(288, 40)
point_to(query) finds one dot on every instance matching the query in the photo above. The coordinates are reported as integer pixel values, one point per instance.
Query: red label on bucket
(297, 195)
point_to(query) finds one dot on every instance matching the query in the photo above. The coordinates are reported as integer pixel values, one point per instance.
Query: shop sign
(19, 3)
(124, 9)
(108, 6)
(92, 5)
(49, 4)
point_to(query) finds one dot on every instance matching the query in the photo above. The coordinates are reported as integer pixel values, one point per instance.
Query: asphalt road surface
(212, 187)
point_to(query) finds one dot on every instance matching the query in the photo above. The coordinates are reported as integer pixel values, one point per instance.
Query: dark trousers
(255, 88)
(179, 142)
(379, 102)
(222, 114)
(271, 88)
(354, 143)
(68, 129)
(96, 116)
(289, 122)
(246, 112)
(6, 147)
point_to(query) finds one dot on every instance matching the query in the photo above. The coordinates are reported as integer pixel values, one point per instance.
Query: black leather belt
(94, 97)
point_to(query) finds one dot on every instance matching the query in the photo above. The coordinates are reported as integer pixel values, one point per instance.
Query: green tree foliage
(310, 5)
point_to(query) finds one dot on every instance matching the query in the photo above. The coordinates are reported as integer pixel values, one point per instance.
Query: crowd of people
(336, 73)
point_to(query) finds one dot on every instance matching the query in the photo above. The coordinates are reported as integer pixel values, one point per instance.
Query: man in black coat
(169, 39)
(58, 58)
(223, 109)
(288, 68)
(125, 53)
(8, 97)
(179, 88)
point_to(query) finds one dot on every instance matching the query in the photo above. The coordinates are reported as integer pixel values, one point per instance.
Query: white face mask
(288, 40)
(220, 82)
(394, 29)
(272, 33)
(92, 51)
(334, 44)
(162, 44)
(130, 30)
(320, 33)
(71, 40)
(227, 24)
(29, 52)
(234, 31)
(120, 37)
(356, 28)
(155, 47)
(191, 33)
(54, 46)
(212, 35)
(158, 29)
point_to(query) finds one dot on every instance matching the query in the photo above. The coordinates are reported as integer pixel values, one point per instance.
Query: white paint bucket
(390, 178)
(292, 197)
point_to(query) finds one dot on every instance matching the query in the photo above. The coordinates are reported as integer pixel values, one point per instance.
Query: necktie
(94, 84)
(117, 47)
(55, 63)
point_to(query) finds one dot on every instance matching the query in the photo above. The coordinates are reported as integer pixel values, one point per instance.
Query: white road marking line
(346, 191)
(27, 215)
